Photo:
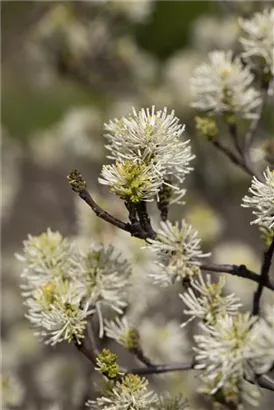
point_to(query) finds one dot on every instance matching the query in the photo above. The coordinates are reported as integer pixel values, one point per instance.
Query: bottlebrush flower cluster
(64, 286)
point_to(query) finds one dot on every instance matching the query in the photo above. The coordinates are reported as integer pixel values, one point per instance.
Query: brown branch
(239, 161)
(163, 368)
(138, 352)
(79, 185)
(230, 154)
(85, 195)
(235, 136)
(244, 153)
(142, 230)
(263, 381)
(236, 270)
(263, 278)
(90, 355)
(144, 220)
(250, 134)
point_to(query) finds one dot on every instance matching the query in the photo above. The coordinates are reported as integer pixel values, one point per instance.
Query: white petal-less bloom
(57, 311)
(236, 392)
(206, 300)
(259, 37)
(262, 200)
(118, 329)
(224, 86)
(262, 342)
(163, 341)
(224, 355)
(223, 350)
(168, 402)
(131, 181)
(136, 11)
(46, 257)
(12, 391)
(102, 279)
(178, 252)
(129, 393)
(153, 138)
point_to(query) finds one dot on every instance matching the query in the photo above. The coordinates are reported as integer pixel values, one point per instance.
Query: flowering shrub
(80, 294)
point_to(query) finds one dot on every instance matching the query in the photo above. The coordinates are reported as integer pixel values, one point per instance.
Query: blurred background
(68, 67)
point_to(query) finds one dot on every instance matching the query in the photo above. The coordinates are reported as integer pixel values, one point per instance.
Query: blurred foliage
(169, 26)
(26, 108)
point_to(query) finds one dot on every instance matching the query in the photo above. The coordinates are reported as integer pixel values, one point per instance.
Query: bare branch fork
(243, 145)
(263, 278)
(237, 270)
(79, 185)
(140, 226)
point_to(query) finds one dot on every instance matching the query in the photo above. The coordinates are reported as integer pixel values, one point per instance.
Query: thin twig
(85, 195)
(239, 161)
(144, 220)
(138, 352)
(243, 151)
(236, 270)
(230, 154)
(85, 351)
(163, 368)
(250, 134)
(235, 136)
(142, 230)
(263, 278)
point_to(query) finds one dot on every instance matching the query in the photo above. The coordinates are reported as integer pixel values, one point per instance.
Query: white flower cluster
(205, 300)
(149, 153)
(224, 86)
(262, 336)
(103, 278)
(129, 393)
(119, 330)
(236, 348)
(46, 258)
(167, 402)
(259, 38)
(64, 286)
(262, 200)
(132, 393)
(12, 391)
(178, 252)
(137, 11)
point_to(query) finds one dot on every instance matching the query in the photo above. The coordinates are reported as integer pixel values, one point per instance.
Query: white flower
(12, 391)
(46, 257)
(259, 37)
(223, 350)
(235, 393)
(178, 250)
(224, 86)
(262, 342)
(168, 402)
(225, 355)
(131, 181)
(60, 379)
(129, 393)
(119, 330)
(102, 279)
(162, 341)
(136, 11)
(262, 200)
(153, 138)
(56, 310)
(210, 302)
